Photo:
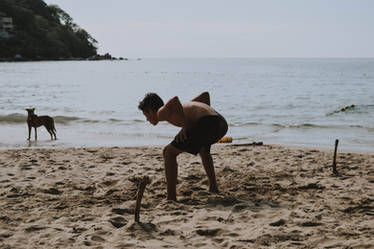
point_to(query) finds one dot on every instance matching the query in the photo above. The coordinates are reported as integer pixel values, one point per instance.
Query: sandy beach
(270, 196)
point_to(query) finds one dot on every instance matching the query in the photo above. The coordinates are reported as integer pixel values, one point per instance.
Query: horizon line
(242, 57)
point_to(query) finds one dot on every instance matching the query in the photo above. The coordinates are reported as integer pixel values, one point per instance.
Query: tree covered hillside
(43, 31)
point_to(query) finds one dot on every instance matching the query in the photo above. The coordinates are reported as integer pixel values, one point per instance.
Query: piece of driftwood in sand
(249, 144)
(334, 170)
(139, 196)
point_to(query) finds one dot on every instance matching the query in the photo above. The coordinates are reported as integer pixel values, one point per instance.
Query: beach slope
(270, 196)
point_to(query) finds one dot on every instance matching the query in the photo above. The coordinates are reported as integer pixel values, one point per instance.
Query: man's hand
(203, 98)
(182, 135)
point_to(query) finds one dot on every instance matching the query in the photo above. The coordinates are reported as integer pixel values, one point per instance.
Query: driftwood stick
(248, 144)
(139, 196)
(334, 162)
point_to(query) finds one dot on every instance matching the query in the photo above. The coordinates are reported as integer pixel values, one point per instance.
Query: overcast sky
(222, 28)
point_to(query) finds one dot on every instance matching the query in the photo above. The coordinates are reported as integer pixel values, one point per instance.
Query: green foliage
(44, 32)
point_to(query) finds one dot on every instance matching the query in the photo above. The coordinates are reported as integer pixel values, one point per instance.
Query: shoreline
(99, 58)
(270, 196)
(293, 147)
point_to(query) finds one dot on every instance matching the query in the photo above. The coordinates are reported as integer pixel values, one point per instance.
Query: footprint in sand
(97, 238)
(190, 201)
(52, 191)
(34, 229)
(310, 224)
(197, 189)
(186, 193)
(79, 230)
(208, 232)
(168, 232)
(26, 167)
(127, 245)
(122, 211)
(118, 222)
(5, 236)
(147, 227)
(108, 183)
(192, 177)
(110, 174)
(239, 207)
(111, 191)
(224, 201)
(278, 223)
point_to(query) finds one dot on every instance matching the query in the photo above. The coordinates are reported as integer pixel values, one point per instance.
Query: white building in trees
(6, 25)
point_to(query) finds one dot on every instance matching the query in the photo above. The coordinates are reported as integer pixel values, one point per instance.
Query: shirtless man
(201, 126)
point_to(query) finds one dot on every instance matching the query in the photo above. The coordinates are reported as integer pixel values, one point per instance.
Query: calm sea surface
(280, 101)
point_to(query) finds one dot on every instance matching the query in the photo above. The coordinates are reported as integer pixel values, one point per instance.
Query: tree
(44, 32)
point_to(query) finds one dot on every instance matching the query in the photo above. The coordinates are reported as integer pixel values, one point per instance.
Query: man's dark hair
(151, 101)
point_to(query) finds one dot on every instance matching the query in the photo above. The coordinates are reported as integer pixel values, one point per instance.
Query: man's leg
(207, 161)
(170, 154)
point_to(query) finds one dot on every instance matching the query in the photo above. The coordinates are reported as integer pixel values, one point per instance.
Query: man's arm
(204, 98)
(172, 112)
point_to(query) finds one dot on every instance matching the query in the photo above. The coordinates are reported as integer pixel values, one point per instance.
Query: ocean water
(276, 101)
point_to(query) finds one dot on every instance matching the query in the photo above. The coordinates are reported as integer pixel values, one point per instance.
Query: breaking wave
(16, 118)
(301, 126)
(13, 118)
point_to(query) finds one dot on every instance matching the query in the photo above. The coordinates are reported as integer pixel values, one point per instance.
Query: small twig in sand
(229, 218)
(334, 162)
(248, 144)
(139, 196)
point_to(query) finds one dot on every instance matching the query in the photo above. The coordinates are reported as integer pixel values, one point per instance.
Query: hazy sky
(222, 28)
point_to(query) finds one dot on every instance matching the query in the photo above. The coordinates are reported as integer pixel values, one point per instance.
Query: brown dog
(35, 121)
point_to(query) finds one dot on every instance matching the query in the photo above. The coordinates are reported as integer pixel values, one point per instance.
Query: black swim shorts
(207, 131)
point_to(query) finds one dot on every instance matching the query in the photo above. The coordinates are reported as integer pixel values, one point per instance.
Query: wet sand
(270, 196)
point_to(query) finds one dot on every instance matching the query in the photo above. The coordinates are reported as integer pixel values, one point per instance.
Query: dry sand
(270, 197)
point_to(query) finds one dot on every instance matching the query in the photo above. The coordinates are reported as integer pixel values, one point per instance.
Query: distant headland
(32, 30)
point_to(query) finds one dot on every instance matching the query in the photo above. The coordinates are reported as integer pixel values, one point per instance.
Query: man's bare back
(193, 112)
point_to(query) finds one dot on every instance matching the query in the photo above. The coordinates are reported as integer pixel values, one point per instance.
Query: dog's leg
(53, 129)
(50, 133)
(35, 134)
(29, 132)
